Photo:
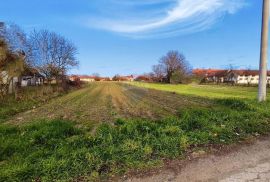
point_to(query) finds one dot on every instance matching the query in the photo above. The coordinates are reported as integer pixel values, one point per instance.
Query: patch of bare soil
(241, 162)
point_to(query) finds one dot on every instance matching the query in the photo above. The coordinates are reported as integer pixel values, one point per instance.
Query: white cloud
(183, 16)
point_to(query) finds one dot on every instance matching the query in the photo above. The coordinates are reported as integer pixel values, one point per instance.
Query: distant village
(87, 78)
(32, 77)
(241, 77)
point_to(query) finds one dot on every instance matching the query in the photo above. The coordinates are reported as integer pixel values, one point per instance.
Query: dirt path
(106, 101)
(246, 163)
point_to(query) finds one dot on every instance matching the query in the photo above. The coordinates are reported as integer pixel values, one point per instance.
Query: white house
(245, 77)
(248, 77)
(87, 78)
(30, 77)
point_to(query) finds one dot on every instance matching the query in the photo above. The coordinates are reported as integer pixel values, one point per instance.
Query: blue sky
(128, 36)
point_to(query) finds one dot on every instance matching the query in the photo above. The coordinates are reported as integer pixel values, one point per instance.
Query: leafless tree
(175, 66)
(16, 39)
(54, 55)
(116, 77)
(159, 72)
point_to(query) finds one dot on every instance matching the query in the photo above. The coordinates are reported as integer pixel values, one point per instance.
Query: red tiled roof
(208, 72)
(248, 72)
(222, 73)
(143, 78)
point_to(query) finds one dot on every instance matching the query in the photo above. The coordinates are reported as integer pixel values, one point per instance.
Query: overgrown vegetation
(58, 150)
(31, 97)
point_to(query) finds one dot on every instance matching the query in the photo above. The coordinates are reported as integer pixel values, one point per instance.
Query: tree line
(50, 53)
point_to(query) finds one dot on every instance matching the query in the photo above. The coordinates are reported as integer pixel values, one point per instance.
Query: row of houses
(86, 78)
(31, 77)
(230, 76)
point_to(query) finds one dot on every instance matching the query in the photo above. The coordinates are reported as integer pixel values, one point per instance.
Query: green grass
(29, 98)
(59, 151)
(209, 91)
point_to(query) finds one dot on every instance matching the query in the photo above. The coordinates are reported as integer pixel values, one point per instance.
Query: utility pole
(264, 49)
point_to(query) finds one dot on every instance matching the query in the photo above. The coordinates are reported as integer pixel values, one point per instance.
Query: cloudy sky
(129, 36)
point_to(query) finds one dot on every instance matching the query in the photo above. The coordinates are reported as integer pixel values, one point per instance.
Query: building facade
(248, 77)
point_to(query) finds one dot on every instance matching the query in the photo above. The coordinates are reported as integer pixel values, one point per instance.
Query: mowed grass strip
(57, 150)
(206, 91)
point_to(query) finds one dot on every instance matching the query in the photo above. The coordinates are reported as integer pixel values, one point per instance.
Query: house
(123, 78)
(127, 78)
(143, 78)
(74, 78)
(86, 78)
(211, 75)
(31, 77)
(245, 77)
(248, 77)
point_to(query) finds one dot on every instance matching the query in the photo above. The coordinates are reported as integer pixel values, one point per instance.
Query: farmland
(108, 128)
(106, 101)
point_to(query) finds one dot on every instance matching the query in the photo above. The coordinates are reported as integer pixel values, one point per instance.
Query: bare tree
(176, 67)
(116, 77)
(54, 55)
(16, 39)
(159, 72)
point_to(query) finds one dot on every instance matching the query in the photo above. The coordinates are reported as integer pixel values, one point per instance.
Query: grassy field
(107, 129)
(208, 91)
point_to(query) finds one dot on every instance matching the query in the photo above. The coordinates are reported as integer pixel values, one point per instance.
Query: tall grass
(58, 150)
(28, 98)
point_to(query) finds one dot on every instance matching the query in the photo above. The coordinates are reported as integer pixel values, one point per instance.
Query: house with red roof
(245, 76)
(83, 78)
(229, 76)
